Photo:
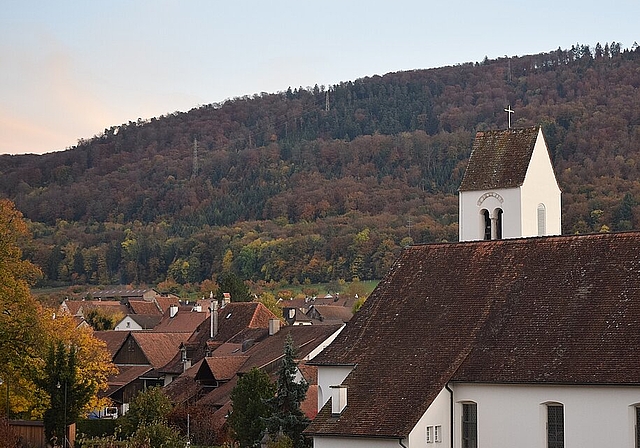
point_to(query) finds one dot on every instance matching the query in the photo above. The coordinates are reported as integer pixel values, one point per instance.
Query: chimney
(197, 309)
(186, 363)
(173, 310)
(227, 299)
(213, 318)
(338, 399)
(274, 326)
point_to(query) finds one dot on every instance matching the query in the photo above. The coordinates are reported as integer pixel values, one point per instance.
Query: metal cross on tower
(509, 112)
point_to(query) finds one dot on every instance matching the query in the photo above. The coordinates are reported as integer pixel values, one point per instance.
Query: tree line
(324, 183)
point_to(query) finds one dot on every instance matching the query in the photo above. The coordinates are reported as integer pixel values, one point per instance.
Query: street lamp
(66, 441)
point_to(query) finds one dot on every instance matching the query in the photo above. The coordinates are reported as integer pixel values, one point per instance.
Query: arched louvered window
(542, 220)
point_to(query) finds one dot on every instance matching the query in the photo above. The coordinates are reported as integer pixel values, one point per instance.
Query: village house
(516, 341)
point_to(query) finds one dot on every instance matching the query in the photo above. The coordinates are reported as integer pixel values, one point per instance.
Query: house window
(469, 425)
(437, 433)
(542, 220)
(555, 426)
(429, 434)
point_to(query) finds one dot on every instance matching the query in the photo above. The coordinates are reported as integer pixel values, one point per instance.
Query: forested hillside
(328, 182)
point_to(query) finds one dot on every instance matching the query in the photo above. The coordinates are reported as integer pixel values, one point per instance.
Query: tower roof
(499, 159)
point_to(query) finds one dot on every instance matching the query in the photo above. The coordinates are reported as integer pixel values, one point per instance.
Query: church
(514, 336)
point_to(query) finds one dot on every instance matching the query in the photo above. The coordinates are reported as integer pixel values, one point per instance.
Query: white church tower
(509, 189)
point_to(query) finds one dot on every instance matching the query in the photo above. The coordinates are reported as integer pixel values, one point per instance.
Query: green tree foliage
(232, 284)
(286, 415)
(101, 319)
(68, 394)
(147, 408)
(249, 398)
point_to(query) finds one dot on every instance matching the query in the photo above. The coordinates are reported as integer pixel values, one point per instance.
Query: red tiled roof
(555, 310)
(165, 302)
(114, 339)
(499, 159)
(310, 404)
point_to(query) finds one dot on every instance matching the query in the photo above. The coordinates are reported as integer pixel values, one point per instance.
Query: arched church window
(542, 220)
(486, 224)
(498, 213)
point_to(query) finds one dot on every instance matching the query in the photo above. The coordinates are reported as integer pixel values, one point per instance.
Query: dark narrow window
(499, 224)
(469, 425)
(487, 224)
(555, 426)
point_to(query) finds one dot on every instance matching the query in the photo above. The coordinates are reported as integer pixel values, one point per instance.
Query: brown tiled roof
(223, 368)
(144, 307)
(306, 338)
(125, 375)
(120, 291)
(331, 313)
(185, 321)
(114, 339)
(184, 387)
(556, 310)
(499, 159)
(159, 348)
(219, 396)
(233, 320)
(147, 322)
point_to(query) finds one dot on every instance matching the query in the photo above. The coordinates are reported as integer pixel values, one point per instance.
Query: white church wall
(594, 416)
(330, 376)
(471, 203)
(438, 415)
(540, 186)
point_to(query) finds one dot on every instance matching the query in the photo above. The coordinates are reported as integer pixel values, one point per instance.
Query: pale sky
(70, 69)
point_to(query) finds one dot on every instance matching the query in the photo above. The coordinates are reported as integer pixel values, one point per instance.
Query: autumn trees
(285, 186)
(38, 348)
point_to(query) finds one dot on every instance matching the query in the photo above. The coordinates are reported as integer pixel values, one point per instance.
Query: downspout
(401, 444)
(451, 410)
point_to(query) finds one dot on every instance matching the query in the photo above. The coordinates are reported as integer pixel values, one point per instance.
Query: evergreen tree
(287, 417)
(250, 408)
(68, 395)
(234, 285)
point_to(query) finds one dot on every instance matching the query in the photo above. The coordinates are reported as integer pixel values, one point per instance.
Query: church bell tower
(509, 189)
